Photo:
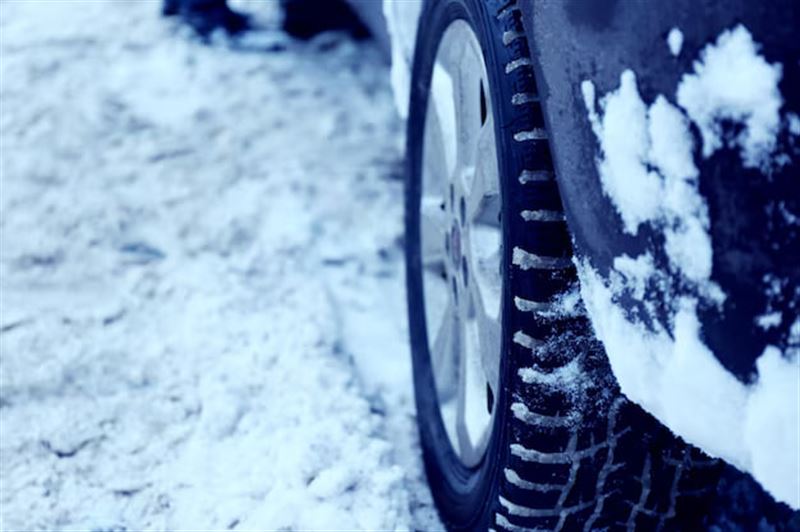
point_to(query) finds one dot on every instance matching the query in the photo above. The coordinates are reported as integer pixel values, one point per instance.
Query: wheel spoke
(485, 258)
(469, 86)
(489, 332)
(440, 132)
(433, 220)
(465, 444)
(483, 196)
(449, 57)
(444, 355)
(472, 417)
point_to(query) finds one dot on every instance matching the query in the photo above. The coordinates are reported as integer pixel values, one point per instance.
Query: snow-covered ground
(202, 289)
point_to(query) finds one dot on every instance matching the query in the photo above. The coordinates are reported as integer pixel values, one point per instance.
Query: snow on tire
(562, 449)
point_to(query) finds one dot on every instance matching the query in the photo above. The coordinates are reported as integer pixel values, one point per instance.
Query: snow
(771, 428)
(567, 374)
(677, 379)
(622, 131)
(526, 260)
(647, 170)
(636, 273)
(794, 124)
(202, 301)
(732, 82)
(524, 340)
(688, 244)
(789, 217)
(769, 320)
(402, 19)
(675, 41)
(671, 143)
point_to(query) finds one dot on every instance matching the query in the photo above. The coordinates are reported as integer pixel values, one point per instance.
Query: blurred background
(203, 317)
(202, 308)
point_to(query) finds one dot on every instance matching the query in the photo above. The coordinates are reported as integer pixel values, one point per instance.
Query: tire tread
(617, 468)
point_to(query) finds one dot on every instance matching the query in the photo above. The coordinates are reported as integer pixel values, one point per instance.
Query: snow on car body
(675, 134)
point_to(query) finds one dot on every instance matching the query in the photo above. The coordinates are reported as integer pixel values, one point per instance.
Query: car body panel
(754, 227)
(577, 40)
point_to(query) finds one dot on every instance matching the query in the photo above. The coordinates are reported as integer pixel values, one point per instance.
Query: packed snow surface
(202, 299)
(647, 170)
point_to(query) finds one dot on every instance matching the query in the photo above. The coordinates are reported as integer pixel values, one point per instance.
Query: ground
(202, 305)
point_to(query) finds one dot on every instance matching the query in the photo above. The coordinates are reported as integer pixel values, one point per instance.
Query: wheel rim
(461, 239)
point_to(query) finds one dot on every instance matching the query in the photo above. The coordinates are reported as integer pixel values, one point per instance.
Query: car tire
(563, 449)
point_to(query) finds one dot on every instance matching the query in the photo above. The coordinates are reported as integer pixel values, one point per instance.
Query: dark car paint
(576, 40)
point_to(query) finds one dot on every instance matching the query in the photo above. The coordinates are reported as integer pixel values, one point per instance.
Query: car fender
(714, 357)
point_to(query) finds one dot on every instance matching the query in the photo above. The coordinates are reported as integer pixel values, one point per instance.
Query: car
(602, 253)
